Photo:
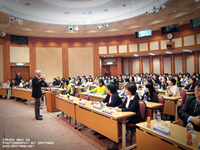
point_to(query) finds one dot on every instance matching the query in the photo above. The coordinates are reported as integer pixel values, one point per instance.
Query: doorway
(112, 70)
(23, 70)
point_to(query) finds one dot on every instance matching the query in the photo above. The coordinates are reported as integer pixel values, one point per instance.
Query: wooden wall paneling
(6, 55)
(196, 62)
(141, 64)
(1, 63)
(130, 65)
(172, 65)
(151, 64)
(65, 61)
(32, 59)
(96, 59)
(184, 65)
(119, 65)
(161, 65)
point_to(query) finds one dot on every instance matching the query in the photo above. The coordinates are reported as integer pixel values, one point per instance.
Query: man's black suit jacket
(36, 87)
(187, 111)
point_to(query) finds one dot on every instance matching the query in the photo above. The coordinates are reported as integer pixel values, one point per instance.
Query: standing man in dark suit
(18, 78)
(37, 92)
(191, 110)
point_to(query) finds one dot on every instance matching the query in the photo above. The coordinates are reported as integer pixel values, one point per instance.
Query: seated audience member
(68, 86)
(116, 83)
(62, 84)
(79, 83)
(6, 85)
(86, 85)
(132, 80)
(100, 89)
(137, 79)
(24, 85)
(156, 79)
(44, 84)
(164, 83)
(191, 110)
(58, 81)
(112, 99)
(178, 82)
(187, 81)
(172, 90)
(73, 81)
(21, 83)
(13, 83)
(90, 79)
(131, 103)
(150, 93)
(29, 84)
(143, 82)
(54, 82)
(120, 79)
(122, 94)
(190, 87)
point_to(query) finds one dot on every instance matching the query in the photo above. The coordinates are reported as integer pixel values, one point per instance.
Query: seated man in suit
(191, 110)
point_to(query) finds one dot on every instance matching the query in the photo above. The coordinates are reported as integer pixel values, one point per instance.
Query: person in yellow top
(100, 89)
(68, 86)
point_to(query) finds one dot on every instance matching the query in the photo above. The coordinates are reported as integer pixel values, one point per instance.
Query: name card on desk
(96, 106)
(161, 129)
(60, 95)
(70, 99)
(82, 102)
(108, 111)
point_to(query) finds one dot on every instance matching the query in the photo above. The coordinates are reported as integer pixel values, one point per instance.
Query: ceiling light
(70, 28)
(187, 50)
(76, 28)
(181, 22)
(20, 64)
(136, 55)
(196, 0)
(106, 26)
(20, 21)
(109, 63)
(174, 10)
(168, 52)
(11, 20)
(99, 27)
(151, 54)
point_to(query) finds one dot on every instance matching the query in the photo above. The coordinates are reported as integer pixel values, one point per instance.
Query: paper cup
(167, 124)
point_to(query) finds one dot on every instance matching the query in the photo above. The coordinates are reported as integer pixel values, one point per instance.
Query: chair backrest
(86, 97)
(183, 95)
(161, 100)
(77, 95)
(142, 109)
(157, 92)
(180, 88)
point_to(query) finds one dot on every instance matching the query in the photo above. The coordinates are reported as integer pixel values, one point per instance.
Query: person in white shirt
(21, 83)
(6, 85)
(172, 90)
(86, 85)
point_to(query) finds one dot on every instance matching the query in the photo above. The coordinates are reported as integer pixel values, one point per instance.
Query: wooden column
(119, 65)
(140, 65)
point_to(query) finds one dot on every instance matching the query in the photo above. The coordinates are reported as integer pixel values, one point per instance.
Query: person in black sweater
(191, 110)
(18, 78)
(131, 103)
(150, 93)
(112, 99)
(190, 87)
(178, 82)
(164, 83)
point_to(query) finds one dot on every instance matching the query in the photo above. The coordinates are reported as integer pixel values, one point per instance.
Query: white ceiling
(51, 18)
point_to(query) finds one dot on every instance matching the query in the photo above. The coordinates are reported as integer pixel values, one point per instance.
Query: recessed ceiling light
(174, 10)
(124, 5)
(131, 1)
(168, 52)
(181, 22)
(136, 55)
(151, 54)
(187, 50)
(196, 0)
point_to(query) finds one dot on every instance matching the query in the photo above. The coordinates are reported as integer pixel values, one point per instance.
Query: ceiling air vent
(27, 4)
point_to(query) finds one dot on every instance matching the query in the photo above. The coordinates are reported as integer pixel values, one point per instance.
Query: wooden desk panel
(3, 91)
(51, 102)
(151, 142)
(23, 94)
(99, 123)
(65, 106)
(177, 137)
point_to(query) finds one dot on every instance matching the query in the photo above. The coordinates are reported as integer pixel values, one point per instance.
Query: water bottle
(145, 98)
(158, 116)
(189, 127)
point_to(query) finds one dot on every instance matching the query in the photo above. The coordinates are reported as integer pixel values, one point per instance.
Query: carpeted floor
(17, 124)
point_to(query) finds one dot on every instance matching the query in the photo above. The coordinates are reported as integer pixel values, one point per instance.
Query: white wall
(190, 63)
(156, 65)
(135, 66)
(167, 64)
(125, 66)
(146, 65)
(178, 64)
